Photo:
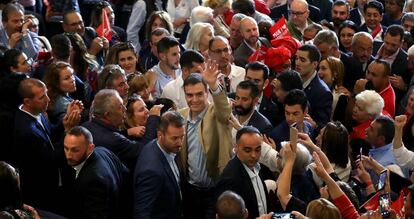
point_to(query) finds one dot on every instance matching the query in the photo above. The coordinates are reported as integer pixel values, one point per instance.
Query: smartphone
(293, 135)
(282, 216)
(360, 153)
(384, 204)
(381, 180)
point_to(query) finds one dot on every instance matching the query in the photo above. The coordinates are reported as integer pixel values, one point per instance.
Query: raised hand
(156, 110)
(400, 121)
(210, 74)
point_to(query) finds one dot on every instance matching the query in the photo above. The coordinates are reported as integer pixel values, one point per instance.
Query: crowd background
(206, 109)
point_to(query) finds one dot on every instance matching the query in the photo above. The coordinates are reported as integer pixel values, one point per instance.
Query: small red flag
(258, 55)
(104, 29)
(279, 29)
(372, 203)
(398, 206)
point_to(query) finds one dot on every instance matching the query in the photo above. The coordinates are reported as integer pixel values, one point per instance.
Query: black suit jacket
(156, 191)
(236, 179)
(320, 99)
(354, 70)
(98, 189)
(271, 111)
(277, 12)
(39, 160)
(127, 150)
(260, 122)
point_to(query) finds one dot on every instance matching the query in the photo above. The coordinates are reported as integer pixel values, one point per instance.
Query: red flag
(398, 206)
(104, 29)
(372, 203)
(279, 29)
(258, 55)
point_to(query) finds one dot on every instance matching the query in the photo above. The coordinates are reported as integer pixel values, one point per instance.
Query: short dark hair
(349, 24)
(230, 205)
(171, 118)
(341, 3)
(375, 5)
(386, 128)
(81, 131)
(61, 45)
(387, 66)
(313, 51)
(168, 104)
(166, 43)
(11, 58)
(249, 85)
(246, 130)
(395, 30)
(189, 56)
(256, 65)
(296, 96)
(158, 32)
(10, 8)
(246, 7)
(193, 79)
(25, 87)
(290, 80)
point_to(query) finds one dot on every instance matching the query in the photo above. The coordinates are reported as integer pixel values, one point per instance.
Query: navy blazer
(354, 16)
(97, 191)
(156, 191)
(127, 150)
(320, 98)
(272, 111)
(38, 161)
(277, 12)
(235, 178)
(260, 122)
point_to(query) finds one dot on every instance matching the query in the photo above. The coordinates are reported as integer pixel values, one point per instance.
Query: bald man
(250, 43)
(298, 18)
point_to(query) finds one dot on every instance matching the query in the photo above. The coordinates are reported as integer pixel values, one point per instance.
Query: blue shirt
(383, 155)
(196, 157)
(171, 161)
(162, 79)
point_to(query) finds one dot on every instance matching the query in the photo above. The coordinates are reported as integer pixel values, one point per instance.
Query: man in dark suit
(259, 73)
(251, 41)
(157, 192)
(38, 152)
(373, 11)
(391, 52)
(318, 94)
(247, 96)
(108, 114)
(100, 178)
(357, 63)
(283, 10)
(244, 175)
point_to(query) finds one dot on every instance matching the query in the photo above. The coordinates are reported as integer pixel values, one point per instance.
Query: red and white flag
(104, 29)
(279, 29)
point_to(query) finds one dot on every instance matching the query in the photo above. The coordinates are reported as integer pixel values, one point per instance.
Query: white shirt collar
(307, 82)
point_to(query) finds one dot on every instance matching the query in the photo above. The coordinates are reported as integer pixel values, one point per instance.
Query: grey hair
(102, 102)
(200, 14)
(358, 35)
(302, 160)
(326, 36)
(238, 16)
(372, 100)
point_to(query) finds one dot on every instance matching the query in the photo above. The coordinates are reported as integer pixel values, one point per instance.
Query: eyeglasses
(297, 13)
(220, 51)
(76, 24)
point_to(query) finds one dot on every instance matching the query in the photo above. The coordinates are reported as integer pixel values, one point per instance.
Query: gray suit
(242, 54)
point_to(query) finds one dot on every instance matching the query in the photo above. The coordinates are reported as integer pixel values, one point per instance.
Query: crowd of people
(207, 109)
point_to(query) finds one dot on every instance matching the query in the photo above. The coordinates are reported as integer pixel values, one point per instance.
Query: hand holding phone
(384, 204)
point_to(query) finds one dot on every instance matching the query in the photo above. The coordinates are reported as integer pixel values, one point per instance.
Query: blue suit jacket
(260, 122)
(98, 189)
(29, 44)
(354, 16)
(39, 163)
(156, 192)
(320, 99)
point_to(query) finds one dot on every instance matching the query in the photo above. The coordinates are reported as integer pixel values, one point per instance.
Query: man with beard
(251, 41)
(96, 192)
(219, 50)
(15, 32)
(168, 68)
(340, 13)
(247, 96)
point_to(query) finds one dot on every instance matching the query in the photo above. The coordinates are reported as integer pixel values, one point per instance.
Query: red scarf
(376, 31)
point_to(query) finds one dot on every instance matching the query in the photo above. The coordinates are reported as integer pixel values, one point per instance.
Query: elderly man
(299, 18)
(251, 41)
(235, 35)
(15, 32)
(100, 178)
(39, 156)
(327, 43)
(113, 77)
(108, 113)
